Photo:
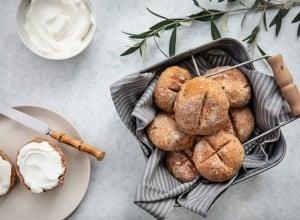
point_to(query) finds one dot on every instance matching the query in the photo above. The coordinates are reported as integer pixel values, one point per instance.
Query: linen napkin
(159, 191)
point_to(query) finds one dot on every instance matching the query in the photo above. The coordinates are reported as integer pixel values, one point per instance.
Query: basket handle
(285, 82)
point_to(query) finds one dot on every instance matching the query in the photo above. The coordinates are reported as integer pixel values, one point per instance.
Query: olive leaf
(277, 20)
(164, 23)
(138, 36)
(297, 18)
(255, 4)
(262, 52)
(131, 49)
(186, 23)
(265, 20)
(207, 15)
(251, 38)
(196, 3)
(143, 50)
(214, 30)
(157, 15)
(172, 45)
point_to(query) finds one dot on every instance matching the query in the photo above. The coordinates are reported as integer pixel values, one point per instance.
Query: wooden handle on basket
(285, 82)
(79, 145)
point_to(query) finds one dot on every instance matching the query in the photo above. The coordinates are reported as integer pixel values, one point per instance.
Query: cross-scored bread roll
(168, 86)
(218, 157)
(7, 174)
(165, 134)
(240, 123)
(201, 107)
(235, 85)
(181, 166)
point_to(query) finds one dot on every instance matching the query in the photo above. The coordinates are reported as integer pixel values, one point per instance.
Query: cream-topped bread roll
(41, 165)
(7, 174)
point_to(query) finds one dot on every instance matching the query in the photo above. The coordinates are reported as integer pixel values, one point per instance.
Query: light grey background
(78, 88)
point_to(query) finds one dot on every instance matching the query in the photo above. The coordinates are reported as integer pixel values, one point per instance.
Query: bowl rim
(34, 50)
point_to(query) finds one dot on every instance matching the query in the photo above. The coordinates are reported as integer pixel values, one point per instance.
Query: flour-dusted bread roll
(7, 174)
(168, 86)
(240, 123)
(41, 165)
(165, 134)
(235, 85)
(201, 107)
(181, 166)
(218, 157)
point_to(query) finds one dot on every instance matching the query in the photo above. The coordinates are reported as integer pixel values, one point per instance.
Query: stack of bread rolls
(202, 123)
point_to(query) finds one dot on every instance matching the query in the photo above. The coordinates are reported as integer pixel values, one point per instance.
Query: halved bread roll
(7, 174)
(41, 165)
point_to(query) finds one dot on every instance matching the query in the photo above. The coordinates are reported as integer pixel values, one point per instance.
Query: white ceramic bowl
(21, 15)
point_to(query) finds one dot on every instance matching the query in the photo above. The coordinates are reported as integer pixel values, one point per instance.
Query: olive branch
(211, 15)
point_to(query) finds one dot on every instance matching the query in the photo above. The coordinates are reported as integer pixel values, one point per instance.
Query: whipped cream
(40, 165)
(5, 177)
(58, 28)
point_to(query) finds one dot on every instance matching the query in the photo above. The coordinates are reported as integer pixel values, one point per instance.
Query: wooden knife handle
(78, 144)
(285, 82)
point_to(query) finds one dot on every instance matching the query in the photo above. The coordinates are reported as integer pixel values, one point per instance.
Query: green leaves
(277, 20)
(251, 38)
(172, 44)
(255, 4)
(196, 3)
(214, 30)
(297, 19)
(132, 49)
(262, 52)
(210, 16)
(207, 15)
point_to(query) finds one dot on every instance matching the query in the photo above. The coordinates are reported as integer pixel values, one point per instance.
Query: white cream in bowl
(56, 29)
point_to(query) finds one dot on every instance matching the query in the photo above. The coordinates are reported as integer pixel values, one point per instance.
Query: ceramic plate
(20, 203)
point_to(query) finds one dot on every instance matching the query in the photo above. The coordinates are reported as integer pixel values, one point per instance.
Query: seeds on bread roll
(218, 157)
(168, 85)
(240, 123)
(181, 166)
(41, 165)
(165, 134)
(235, 85)
(201, 107)
(7, 174)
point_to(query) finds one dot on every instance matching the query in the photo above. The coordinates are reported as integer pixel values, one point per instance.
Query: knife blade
(43, 128)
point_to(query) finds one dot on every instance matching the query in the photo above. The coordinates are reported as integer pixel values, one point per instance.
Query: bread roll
(41, 165)
(165, 134)
(180, 166)
(201, 107)
(7, 174)
(235, 85)
(218, 157)
(168, 85)
(240, 123)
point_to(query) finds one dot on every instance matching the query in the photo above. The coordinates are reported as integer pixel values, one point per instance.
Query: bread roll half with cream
(7, 174)
(41, 165)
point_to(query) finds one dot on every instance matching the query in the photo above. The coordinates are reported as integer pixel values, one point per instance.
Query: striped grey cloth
(158, 191)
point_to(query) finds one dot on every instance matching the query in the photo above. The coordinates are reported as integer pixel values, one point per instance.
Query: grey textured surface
(79, 89)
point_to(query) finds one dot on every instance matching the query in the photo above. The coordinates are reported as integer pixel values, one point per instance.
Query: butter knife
(43, 128)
